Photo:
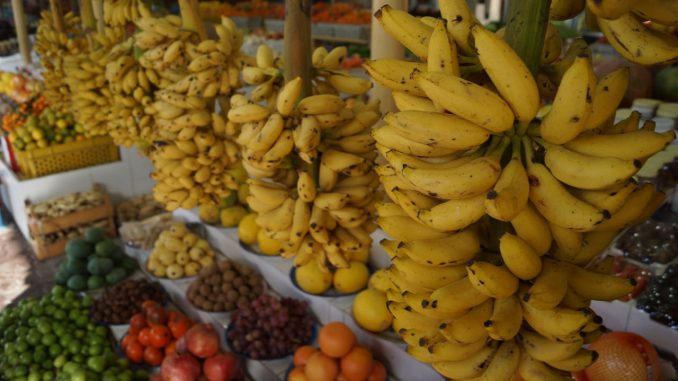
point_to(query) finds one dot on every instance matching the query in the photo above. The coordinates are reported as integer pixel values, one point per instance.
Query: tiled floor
(21, 275)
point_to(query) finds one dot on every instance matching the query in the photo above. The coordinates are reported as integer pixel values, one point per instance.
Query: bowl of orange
(338, 356)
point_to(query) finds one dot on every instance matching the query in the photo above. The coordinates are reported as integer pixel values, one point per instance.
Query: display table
(122, 179)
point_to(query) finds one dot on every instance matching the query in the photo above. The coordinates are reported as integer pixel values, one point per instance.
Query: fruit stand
(476, 205)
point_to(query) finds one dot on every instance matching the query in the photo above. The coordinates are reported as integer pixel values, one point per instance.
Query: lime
(80, 333)
(39, 310)
(70, 295)
(20, 371)
(49, 310)
(70, 367)
(81, 321)
(59, 315)
(48, 339)
(90, 326)
(48, 376)
(109, 377)
(101, 331)
(96, 363)
(33, 321)
(35, 376)
(96, 340)
(59, 361)
(79, 375)
(74, 347)
(125, 376)
(86, 301)
(39, 357)
(33, 338)
(9, 348)
(26, 358)
(21, 345)
(58, 290)
(79, 358)
(13, 359)
(54, 350)
(123, 362)
(94, 350)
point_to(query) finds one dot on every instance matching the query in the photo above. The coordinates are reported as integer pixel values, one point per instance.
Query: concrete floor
(21, 275)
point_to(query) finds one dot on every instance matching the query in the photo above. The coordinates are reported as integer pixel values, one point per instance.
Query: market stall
(238, 192)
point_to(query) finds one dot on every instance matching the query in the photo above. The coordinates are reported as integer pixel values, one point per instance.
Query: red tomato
(171, 348)
(135, 351)
(126, 340)
(153, 356)
(137, 321)
(156, 315)
(160, 336)
(622, 356)
(148, 304)
(179, 327)
(173, 315)
(144, 337)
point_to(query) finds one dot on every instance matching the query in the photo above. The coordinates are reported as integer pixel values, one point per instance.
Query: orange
(303, 353)
(357, 364)
(297, 374)
(378, 372)
(321, 368)
(336, 339)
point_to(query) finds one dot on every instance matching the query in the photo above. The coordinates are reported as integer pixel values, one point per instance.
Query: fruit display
(622, 355)
(495, 211)
(268, 327)
(153, 334)
(224, 286)
(232, 208)
(93, 261)
(74, 232)
(138, 208)
(339, 357)
(179, 253)
(53, 338)
(370, 306)
(660, 296)
(64, 205)
(21, 87)
(118, 303)
(346, 280)
(650, 242)
(255, 239)
(310, 160)
(201, 343)
(40, 127)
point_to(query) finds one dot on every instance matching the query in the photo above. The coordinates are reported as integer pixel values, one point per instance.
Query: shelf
(344, 40)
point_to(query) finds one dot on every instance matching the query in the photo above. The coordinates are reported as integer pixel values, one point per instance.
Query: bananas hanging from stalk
(467, 164)
(86, 77)
(54, 47)
(118, 13)
(197, 162)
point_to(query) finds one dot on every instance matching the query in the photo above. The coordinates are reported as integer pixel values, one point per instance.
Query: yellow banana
(248, 113)
(506, 319)
(543, 349)
(442, 54)
(279, 218)
(593, 244)
(511, 192)
(493, 281)
(449, 216)
(572, 105)
(659, 11)
(452, 249)
(457, 296)
(508, 73)
(596, 286)
(504, 363)
(268, 135)
(408, 102)
(403, 228)
(390, 138)
(533, 228)
(430, 277)
(637, 42)
(467, 100)
(632, 209)
(579, 361)
(610, 199)
(405, 318)
(627, 146)
(472, 366)
(349, 84)
(550, 286)
(397, 75)
(609, 93)
(569, 242)
(437, 130)
(460, 19)
(557, 323)
(320, 104)
(445, 351)
(405, 28)
(531, 369)
(585, 171)
(288, 96)
(611, 9)
(469, 327)
(566, 9)
(420, 303)
(523, 261)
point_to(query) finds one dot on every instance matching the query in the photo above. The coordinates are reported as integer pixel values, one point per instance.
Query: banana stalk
(526, 29)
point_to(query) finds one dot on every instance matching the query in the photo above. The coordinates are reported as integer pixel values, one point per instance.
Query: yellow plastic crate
(67, 156)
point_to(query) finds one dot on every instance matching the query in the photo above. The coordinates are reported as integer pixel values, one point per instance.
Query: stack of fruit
(231, 209)
(118, 303)
(61, 206)
(309, 160)
(43, 128)
(179, 253)
(345, 280)
(52, 338)
(339, 358)
(201, 342)
(21, 87)
(223, 286)
(469, 162)
(153, 334)
(93, 261)
(269, 328)
(255, 238)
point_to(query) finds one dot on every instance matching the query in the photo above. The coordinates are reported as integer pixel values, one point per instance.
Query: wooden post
(21, 31)
(525, 29)
(382, 45)
(57, 15)
(297, 43)
(98, 6)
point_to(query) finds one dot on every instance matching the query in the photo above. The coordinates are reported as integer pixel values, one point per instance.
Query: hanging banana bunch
(471, 169)
(197, 162)
(88, 84)
(118, 13)
(53, 47)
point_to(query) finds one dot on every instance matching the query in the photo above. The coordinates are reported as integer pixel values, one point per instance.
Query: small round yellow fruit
(192, 268)
(196, 253)
(206, 261)
(209, 213)
(178, 229)
(370, 311)
(248, 229)
(311, 279)
(175, 271)
(190, 239)
(160, 271)
(268, 246)
(182, 258)
(351, 279)
(362, 255)
(166, 257)
(232, 215)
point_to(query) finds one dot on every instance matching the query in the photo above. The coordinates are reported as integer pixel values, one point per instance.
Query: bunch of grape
(269, 327)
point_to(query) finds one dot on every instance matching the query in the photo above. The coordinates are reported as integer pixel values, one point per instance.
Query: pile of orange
(339, 358)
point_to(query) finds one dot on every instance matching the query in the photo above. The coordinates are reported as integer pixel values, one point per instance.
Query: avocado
(129, 264)
(118, 255)
(116, 275)
(105, 248)
(95, 281)
(78, 248)
(95, 234)
(77, 282)
(75, 266)
(99, 266)
(61, 278)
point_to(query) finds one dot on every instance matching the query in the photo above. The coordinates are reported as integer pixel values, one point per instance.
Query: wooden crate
(40, 228)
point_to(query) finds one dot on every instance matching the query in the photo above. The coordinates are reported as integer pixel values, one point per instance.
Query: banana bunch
(326, 216)
(53, 46)
(198, 161)
(121, 12)
(265, 74)
(88, 83)
(496, 213)
(640, 30)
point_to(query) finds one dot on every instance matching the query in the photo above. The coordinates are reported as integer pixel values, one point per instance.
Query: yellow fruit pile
(179, 253)
(495, 212)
